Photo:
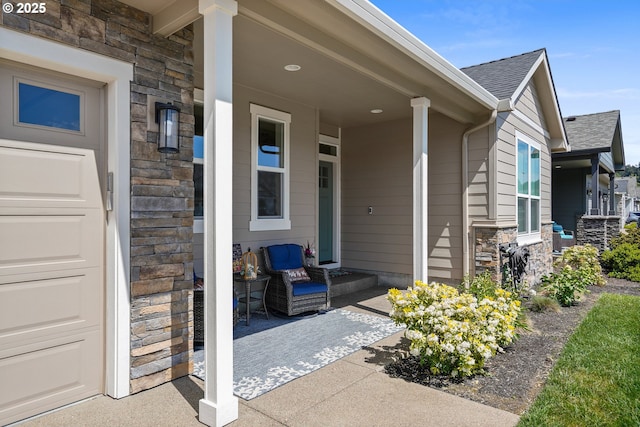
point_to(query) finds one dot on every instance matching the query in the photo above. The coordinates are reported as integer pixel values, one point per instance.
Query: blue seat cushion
(306, 288)
(285, 257)
(557, 228)
(566, 236)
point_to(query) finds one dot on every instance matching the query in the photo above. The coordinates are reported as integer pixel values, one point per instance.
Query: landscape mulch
(514, 378)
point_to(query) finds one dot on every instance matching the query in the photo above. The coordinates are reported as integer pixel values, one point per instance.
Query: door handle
(109, 191)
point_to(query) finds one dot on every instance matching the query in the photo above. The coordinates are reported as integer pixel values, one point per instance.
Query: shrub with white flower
(453, 333)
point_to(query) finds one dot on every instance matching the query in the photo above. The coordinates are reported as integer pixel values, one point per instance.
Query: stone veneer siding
(487, 252)
(161, 184)
(597, 230)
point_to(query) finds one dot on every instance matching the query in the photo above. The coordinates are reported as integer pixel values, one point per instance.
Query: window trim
(528, 236)
(266, 224)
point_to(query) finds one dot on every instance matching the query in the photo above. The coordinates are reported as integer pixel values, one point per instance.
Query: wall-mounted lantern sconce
(168, 119)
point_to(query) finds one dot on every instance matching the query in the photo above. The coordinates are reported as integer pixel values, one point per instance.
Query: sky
(593, 46)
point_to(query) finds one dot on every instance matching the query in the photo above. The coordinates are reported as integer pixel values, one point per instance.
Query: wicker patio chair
(562, 238)
(198, 314)
(295, 288)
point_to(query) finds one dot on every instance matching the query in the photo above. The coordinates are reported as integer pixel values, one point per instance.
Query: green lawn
(596, 381)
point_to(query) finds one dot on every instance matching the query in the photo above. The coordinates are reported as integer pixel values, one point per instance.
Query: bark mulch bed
(514, 378)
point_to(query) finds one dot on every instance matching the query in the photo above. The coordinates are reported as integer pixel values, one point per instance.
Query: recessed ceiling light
(292, 67)
(376, 111)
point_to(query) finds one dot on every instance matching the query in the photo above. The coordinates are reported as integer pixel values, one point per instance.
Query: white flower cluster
(453, 332)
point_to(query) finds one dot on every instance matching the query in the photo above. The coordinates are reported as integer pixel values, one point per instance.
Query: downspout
(465, 189)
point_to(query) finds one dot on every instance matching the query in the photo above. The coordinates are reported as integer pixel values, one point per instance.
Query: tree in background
(630, 170)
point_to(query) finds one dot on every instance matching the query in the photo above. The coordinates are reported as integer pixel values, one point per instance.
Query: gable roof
(507, 78)
(592, 131)
(591, 134)
(597, 133)
(503, 77)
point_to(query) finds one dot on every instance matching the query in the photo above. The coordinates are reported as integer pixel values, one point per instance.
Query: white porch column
(595, 185)
(420, 172)
(219, 406)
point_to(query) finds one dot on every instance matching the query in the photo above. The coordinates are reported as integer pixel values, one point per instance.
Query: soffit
(364, 38)
(150, 6)
(347, 69)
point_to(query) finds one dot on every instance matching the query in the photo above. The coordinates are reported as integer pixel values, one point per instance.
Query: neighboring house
(509, 185)
(626, 191)
(321, 121)
(584, 180)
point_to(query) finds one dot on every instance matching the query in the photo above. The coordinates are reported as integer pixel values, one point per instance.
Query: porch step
(352, 282)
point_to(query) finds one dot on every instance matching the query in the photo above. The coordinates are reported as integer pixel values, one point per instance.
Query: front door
(329, 202)
(52, 225)
(325, 213)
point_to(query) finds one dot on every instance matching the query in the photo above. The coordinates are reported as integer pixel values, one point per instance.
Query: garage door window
(49, 107)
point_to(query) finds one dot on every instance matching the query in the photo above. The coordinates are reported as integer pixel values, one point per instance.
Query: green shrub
(634, 273)
(630, 234)
(623, 262)
(454, 333)
(566, 286)
(574, 271)
(623, 259)
(583, 258)
(481, 286)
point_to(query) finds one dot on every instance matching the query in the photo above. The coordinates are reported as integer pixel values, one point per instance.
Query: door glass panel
(329, 150)
(324, 177)
(325, 213)
(48, 107)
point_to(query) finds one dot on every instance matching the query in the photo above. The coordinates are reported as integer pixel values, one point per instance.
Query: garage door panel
(51, 278)
(40, 175)
(47, 378)
(52, 233)
(49, 242)
(37, 309)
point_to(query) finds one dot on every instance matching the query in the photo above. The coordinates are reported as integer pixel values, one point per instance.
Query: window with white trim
(528, 187)
(269, 169)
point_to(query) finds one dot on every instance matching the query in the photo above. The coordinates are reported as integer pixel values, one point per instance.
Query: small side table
(262, 278)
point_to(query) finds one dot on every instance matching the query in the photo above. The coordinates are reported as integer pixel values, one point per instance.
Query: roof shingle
(504, 76)
(592, 131)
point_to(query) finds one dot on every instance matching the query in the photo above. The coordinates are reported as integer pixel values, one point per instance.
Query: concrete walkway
(353, 391)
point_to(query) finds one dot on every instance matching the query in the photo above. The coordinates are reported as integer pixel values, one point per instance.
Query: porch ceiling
(342, 96)
(348, 67)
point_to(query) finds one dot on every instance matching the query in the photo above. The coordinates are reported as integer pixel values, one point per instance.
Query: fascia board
(542, 65)
(557, 115)
(175, 16)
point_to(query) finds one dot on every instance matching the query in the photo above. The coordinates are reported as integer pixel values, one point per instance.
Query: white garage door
(51, 245)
